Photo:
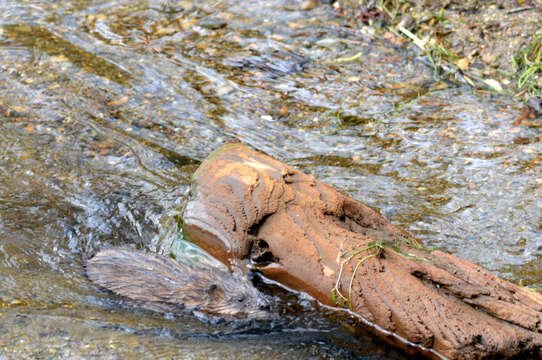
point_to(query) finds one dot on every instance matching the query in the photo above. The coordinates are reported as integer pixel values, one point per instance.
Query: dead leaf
(59, 58)
(121, 101)
(463, 64)
(308, 4)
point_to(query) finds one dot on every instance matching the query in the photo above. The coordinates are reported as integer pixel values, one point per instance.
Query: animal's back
(150, 277)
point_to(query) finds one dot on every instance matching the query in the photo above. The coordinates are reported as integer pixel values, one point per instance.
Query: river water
(108, 107)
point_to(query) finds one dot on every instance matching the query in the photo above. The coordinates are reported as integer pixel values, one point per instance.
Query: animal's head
(236, 297)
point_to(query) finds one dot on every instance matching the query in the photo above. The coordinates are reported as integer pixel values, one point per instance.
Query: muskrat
(148, 277)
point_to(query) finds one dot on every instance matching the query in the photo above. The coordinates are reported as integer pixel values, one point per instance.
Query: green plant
(529, 65)
(335, 291)
(379, 246)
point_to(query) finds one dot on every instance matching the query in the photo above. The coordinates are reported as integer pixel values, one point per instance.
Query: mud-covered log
(250, 210)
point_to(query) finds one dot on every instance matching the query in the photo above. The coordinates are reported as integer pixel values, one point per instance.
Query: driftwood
(250, 210)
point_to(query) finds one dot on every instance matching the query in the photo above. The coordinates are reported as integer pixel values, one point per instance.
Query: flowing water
(107, 108)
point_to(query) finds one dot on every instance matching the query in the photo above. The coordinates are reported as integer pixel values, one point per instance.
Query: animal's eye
(240, 299)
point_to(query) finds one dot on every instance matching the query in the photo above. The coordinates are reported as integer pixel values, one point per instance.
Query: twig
(520, 9)
(417, 41)
(349, 59)
(526, 113)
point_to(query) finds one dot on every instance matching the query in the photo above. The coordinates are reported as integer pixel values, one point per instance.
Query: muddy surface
(254, 212)
(107, 108)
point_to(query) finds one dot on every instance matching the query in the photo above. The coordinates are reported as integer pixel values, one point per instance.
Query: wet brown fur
(150, 277)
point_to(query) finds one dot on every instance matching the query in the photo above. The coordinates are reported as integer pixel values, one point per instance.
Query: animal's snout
(263, 304)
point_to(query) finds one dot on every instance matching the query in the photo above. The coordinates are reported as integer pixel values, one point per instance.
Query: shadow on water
(108, 107)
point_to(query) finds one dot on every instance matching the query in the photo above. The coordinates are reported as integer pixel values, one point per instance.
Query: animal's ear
(215, 291)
